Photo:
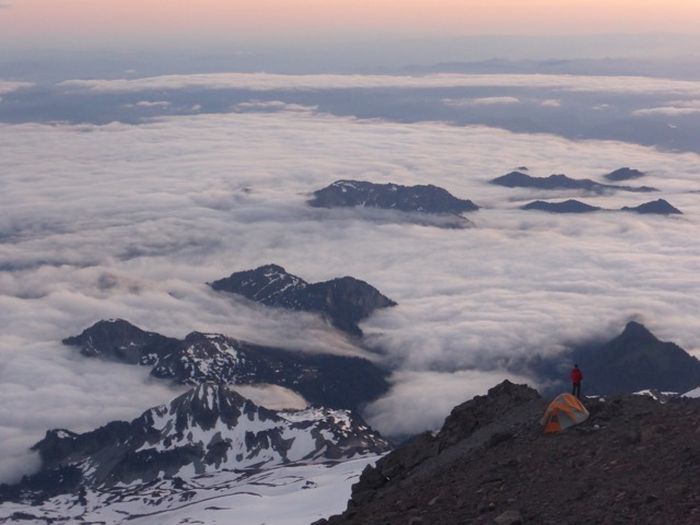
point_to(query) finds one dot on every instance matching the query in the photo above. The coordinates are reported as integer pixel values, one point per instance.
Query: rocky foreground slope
(634, 461)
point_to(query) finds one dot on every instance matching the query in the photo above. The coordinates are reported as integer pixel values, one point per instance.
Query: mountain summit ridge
(331, 380)
(420, 198)
(344, 301)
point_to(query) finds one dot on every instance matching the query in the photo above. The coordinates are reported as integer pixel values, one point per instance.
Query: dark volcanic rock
(659, 207)
(423, 198)
(518, 179)
(330, 380)
(631, 462)
(570, 206)
(505, 408)
(209, 427)
(624, 174)
(344, 302)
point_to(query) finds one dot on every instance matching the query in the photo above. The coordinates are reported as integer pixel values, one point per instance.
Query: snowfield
(288, 495)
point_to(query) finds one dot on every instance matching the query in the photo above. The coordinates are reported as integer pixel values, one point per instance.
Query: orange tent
(564, 412)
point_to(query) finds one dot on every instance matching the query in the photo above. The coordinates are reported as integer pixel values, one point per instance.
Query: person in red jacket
(576, 378)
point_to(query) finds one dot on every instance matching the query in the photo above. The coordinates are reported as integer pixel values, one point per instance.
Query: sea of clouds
(314, 82)
(132, 221)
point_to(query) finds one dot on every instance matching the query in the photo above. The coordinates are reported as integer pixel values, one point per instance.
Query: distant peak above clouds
(336, 381)
(422, 198)
(657, 207)
(345, 301)
(625, 174)
(517, 179)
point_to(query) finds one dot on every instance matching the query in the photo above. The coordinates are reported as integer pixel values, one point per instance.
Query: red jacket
(576, 375)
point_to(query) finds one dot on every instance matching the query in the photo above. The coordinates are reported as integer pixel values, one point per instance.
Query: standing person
(576, 378)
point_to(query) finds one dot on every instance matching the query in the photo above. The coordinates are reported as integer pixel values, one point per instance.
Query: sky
(80, 23)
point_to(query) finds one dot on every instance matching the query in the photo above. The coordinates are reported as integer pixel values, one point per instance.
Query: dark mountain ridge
(344, 302)
(569, 206)
(637, 360)
(326, 379)
(657, 207)
(633, 361)
(420, 198)
(517, 179)
(623, 174)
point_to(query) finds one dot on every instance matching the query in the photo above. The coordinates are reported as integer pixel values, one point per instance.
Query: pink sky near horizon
(41, 21)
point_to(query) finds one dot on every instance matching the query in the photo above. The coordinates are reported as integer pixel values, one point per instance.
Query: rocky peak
(517, 179)
(119, 340)
(266, 284)
(636, 360)
(344, 301)
(637, 331)
(419, 198)
(569, 206)
(657, 207)
(483, 410)
(210, 403)
(207, 428)
(482, 421)
(329, 380)
(625, 174)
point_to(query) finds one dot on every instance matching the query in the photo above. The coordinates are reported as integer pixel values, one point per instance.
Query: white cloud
(131, 220)
(271, 82)
(272, 105)
(551, 103)
(672, 109)
(274, 397)
(152, 104)
(483, 101)
(7, 86)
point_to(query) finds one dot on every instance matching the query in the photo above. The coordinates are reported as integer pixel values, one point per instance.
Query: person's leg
(573, 390)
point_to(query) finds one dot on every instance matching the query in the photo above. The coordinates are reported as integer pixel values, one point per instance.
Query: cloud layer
(7, 86)
(132, 221)
(272, 82)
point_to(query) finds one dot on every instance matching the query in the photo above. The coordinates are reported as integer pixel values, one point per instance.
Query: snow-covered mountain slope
(207, 429)
(694, 393)
(285, 495)
(344, 301)
(209, 456)
(324, 379)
